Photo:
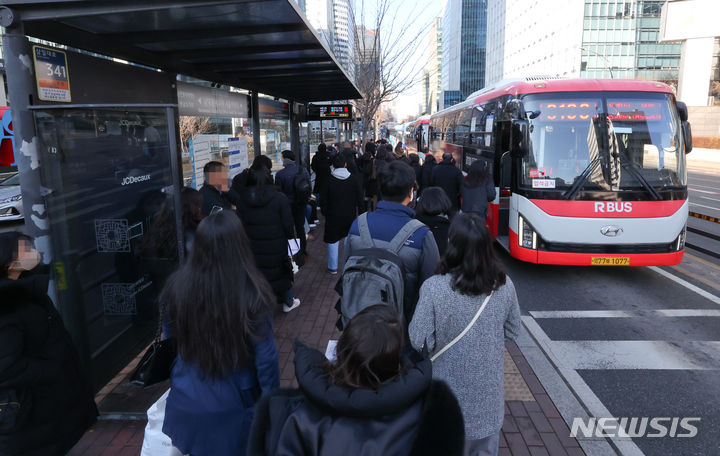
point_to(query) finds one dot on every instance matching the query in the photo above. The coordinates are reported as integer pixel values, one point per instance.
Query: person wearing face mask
(46, 402)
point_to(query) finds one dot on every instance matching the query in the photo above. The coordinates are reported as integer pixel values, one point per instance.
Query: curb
(704, 217)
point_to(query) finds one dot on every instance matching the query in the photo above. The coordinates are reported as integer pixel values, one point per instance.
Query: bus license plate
(610, 261)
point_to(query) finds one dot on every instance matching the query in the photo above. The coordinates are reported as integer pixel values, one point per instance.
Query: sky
(413, 14)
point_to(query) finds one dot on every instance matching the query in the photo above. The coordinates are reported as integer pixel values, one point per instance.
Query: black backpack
(374, 275)
(302, 187)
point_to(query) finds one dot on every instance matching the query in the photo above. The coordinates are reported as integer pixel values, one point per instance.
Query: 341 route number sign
(51, 74)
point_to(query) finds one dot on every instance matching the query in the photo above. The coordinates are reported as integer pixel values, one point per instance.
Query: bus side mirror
(687, 136)
(520, 137)
(682, 111)
(506, 170)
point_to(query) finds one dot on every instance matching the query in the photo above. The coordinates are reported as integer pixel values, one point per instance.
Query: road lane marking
(707, 207)
(625, 313)
(686, 284)
(638, 354)
(703, 191)
(702, 260)
(705, 186)
(707, 198)
(575, 382)
(700, 279)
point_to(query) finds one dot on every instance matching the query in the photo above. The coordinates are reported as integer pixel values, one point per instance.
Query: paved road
(704, 188)
(633, 339)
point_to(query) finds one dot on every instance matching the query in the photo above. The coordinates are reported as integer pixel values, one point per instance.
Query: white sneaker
(312, 225)
(296, 304)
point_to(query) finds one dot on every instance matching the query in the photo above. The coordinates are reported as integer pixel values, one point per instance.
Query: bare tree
(191, 126)
(385, 54)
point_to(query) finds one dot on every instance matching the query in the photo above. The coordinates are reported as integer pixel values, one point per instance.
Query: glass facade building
(472, 47)
(463, 49)
(620, 40)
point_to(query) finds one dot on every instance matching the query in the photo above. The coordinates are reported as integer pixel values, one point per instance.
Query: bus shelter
(96, 99)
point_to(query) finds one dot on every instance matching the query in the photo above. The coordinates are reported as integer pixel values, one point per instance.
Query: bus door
(504, 164)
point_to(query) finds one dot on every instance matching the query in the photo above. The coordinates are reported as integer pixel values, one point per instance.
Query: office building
(343, 35)
(333, 20)
(463, 49)
(573, 38)
(432, 73)
(367, 53)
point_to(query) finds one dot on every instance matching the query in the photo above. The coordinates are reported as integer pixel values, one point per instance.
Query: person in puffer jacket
(378, 398)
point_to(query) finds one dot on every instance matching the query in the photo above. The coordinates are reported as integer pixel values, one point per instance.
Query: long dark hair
(218, 301)
(369, 351)
(470, 258)
(477, 174)
(161, 240)
(191, 202)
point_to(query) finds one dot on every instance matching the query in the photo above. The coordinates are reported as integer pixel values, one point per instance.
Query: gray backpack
(374, 275)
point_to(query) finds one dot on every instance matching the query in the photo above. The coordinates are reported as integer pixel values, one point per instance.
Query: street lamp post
(607, 63)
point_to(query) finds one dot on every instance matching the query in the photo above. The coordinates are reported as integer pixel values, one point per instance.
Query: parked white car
(11, 205)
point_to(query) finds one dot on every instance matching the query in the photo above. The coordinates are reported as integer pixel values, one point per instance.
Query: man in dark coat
(427, 168)
(448, 177)
(215, 187)
(285, 180)
(39, 366)
(321, 164)
(265, 213)
(415, 164)
(344, 201)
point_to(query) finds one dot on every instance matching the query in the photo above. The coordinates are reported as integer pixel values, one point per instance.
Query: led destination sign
(336, 112)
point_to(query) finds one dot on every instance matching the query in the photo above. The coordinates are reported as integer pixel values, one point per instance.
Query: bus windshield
(611, 141)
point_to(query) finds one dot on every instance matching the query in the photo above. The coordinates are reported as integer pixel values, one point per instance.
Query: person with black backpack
(294, 182)
(388, 254)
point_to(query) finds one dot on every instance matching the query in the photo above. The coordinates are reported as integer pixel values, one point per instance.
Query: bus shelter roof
(262, 45)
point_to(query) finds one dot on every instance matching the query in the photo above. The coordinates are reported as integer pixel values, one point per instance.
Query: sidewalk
(532, 424)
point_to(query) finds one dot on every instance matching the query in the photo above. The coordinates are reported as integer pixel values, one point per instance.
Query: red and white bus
(416, 135)
(588, 172)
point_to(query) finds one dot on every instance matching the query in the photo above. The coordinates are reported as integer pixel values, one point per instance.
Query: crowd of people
(425, 307)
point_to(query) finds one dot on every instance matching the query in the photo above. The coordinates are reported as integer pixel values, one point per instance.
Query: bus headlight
(680, 241)
(527, 237)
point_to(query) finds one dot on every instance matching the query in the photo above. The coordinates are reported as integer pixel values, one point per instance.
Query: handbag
(156, 363)
(464, 331)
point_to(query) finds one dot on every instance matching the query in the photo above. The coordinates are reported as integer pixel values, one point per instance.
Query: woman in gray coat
(469, 277)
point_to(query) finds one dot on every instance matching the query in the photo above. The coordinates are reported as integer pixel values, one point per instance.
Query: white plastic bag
(155, 443)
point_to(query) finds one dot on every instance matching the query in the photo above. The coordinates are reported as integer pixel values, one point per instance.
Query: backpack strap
(365, 236)
(404, 234)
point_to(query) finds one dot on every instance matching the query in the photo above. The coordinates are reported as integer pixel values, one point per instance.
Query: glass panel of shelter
(111, 208)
